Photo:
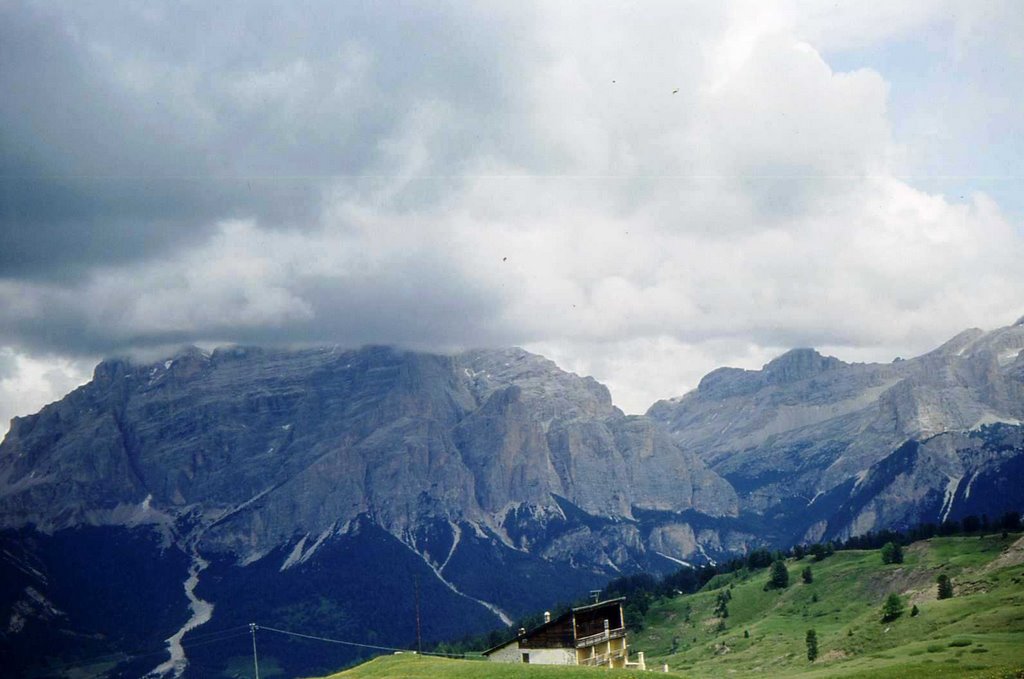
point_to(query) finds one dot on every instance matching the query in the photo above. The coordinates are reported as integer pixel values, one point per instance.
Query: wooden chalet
(592, 635)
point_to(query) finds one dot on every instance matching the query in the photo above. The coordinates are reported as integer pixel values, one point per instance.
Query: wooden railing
(599, 659)
(603, 635)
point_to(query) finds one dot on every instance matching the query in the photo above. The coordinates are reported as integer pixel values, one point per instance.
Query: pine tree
(892, 553)
(821, 551)
(779, 576)
(945, 587)
(807, 575)
(812, 645)
(893, 608)
(915, 611)
(722, 604)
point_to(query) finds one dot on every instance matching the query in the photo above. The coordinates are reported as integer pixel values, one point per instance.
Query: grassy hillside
(978, 632)
(420, 667)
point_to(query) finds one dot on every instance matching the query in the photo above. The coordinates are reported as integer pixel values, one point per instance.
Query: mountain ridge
(500, 478)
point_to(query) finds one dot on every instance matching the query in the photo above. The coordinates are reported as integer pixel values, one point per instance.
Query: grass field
(977, 633)
(408, 666)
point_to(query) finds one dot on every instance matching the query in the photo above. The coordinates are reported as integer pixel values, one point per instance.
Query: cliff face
(947, 476)
(504, 481)
(808, 426)
(266, 447)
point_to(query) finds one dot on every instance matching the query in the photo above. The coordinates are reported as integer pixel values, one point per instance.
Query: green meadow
(407, 666)
(978, 632)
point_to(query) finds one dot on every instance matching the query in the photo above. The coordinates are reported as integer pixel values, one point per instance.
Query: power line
(348, 643)
(122, 657)
(231, 633)
(226, 630)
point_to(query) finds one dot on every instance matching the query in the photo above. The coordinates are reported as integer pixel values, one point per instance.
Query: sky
(642, 191)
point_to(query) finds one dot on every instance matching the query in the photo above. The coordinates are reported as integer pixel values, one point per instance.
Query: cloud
(642, 193)
(27, 383)
(127, 131)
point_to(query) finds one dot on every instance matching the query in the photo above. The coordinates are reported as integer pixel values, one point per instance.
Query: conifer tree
(807, 575)
(779, 576)
(812, 645)
(945, 587)
(892, 553)
(893, 608)
(722, 604)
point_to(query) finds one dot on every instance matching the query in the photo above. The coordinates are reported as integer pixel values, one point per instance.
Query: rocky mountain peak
(799, 364)
(557, 393)
(726, 382)
(959, 343)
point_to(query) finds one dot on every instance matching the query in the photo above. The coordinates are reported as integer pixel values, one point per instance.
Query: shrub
(914, 612)
(807, 575)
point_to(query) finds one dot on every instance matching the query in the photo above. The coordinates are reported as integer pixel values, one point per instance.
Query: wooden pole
(255, 661)
(419, 639)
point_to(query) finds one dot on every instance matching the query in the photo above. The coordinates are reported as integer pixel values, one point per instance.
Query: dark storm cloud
(127, 129)
(657, 189)
(257, 287)
(8, 364)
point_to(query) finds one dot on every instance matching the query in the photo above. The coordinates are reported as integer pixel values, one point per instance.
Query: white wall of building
(550, 656)
(511, 652)
(508, 653)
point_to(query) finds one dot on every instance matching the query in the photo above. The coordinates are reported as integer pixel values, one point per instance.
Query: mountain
(488, 484)
(375, 495)
(816, 446)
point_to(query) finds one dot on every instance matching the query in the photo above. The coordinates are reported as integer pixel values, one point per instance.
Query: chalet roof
(555, 621)
(599, 604)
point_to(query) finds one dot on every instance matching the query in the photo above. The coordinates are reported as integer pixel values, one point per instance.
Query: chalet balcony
(604, 635)
(601, 659)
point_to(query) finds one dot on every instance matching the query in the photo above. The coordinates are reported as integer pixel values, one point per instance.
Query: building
(592, 635)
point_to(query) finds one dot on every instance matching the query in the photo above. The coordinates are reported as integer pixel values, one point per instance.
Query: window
(526, 658)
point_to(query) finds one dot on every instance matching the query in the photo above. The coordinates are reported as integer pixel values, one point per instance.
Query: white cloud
(27, 383)
(643, 194)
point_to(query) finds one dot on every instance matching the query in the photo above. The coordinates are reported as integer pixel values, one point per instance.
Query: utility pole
(255, 661)
(419, 639)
